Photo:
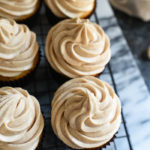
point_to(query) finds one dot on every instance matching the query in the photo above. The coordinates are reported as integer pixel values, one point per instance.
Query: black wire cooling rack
(43, 86)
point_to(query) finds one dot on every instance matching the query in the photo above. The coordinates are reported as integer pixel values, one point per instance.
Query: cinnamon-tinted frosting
(137, 8)
(77, 47)
(70, 8)
(21, 122)
(86, 113)
(18, 48)
(17, 8)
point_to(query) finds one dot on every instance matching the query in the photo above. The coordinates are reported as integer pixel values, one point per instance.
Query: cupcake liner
(54, 19)
(105, 145)
(25, 78)
(32, 19)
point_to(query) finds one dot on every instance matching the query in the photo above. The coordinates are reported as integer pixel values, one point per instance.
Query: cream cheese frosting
(77, 47)
(70, 8)
(86, 113)
(137, 8)
(21, 122)
(18, 48)
(17, 8)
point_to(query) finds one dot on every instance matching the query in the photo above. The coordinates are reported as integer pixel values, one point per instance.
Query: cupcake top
(18, 48)
(86, 113)
(71, 8)
(21, 122)
(77, 47)
(137, 8)
(18, 9)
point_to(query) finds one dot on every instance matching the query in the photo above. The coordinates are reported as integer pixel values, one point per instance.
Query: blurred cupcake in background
(57, 10)
(136, 8)
(20, 10)
(19, 51)
(77, 47)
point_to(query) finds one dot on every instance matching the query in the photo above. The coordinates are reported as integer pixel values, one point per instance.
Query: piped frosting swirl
(71, 8)
(16, 9)
(18, 48)
(21, 122)
(86, 113)
(77, 47)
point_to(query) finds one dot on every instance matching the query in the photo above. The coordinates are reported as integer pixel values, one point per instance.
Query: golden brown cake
(19, 53)
(86, 113)
(77, 47)
(71, 8)
(18, 9)
(21, 122)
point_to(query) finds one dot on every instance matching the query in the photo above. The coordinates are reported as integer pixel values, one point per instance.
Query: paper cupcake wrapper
(24, 79)
(54, 19)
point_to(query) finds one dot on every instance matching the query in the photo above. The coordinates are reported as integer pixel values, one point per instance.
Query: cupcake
(19, 53)
(19, 10)
(60, 9)
(21, 123)
(86, 113)
(77, 47)
(136, 8)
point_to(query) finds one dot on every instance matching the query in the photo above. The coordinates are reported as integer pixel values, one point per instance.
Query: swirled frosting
(21, 122)
(71, 8)
(137, 8)
(15, 9)
(77, 47)
(86, 113)
(18, 48)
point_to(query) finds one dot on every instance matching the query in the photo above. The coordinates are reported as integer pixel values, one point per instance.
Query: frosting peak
(86, 113)
(21, 122)
(7, 31)
(77, 47)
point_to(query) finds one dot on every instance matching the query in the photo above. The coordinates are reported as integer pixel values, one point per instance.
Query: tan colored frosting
(70, 8)
(21, 122)
(77, 47)
(18, 48)
(17, 8)
(148, 53)
(86, 113)
(137, 8)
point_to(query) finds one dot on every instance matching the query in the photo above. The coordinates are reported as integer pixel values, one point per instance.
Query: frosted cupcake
(19, 10)
(19, 53)
(77, 47)
(60, 9)
(21, 122)
(86, 113)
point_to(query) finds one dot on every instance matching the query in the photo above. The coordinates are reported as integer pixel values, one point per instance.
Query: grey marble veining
(129, 82)
(137, 34)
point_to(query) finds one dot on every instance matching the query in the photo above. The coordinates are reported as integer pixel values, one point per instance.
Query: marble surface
(122, 73)
(129, 83)
(137, 34)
